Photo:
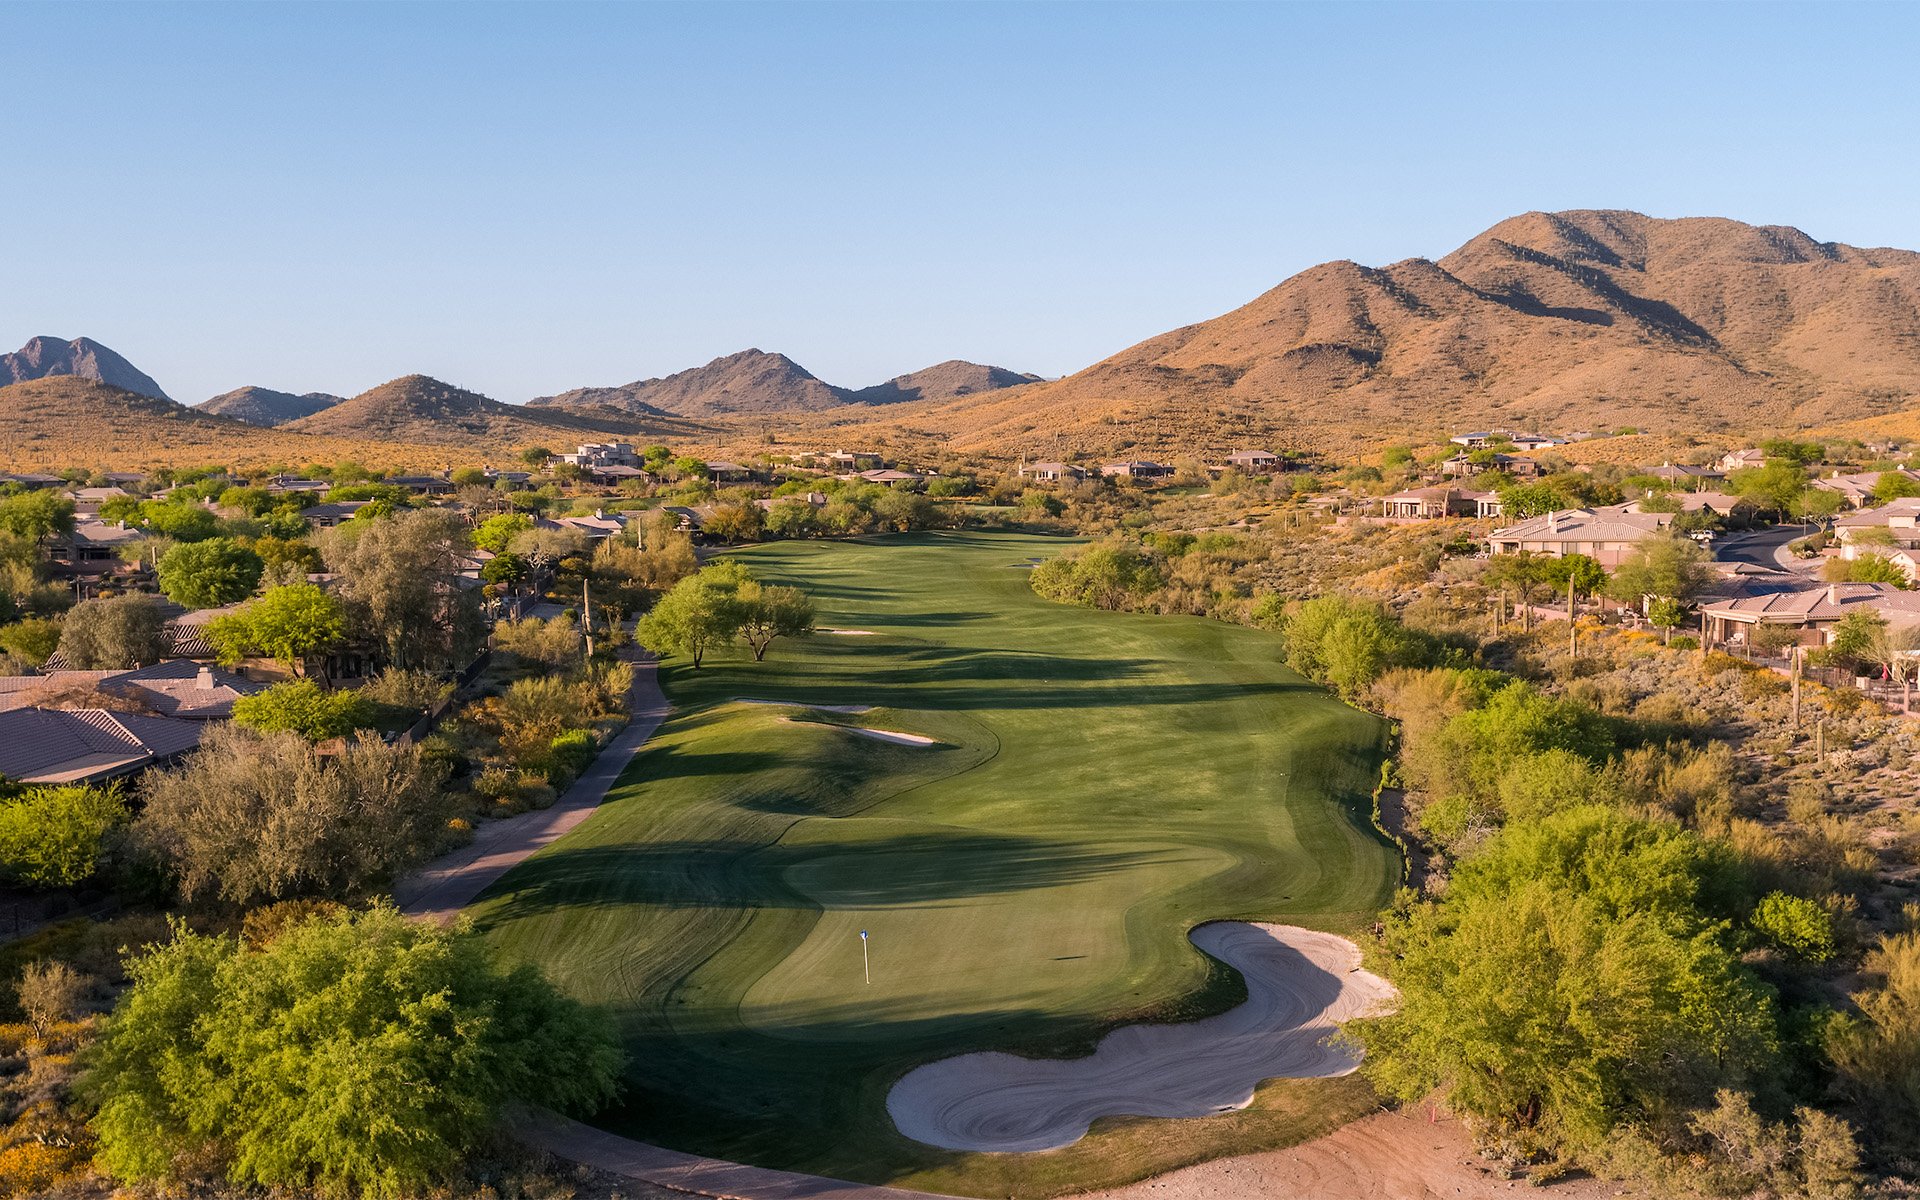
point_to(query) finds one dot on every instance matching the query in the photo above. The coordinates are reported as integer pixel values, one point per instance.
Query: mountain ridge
(266, 407)
(82, 358)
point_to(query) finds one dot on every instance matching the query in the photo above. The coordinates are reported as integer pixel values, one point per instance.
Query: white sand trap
(1300, 985)
(889, 735)
(832, 708)
(851, 632)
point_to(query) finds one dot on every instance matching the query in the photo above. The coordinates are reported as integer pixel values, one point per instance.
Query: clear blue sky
(522, 199)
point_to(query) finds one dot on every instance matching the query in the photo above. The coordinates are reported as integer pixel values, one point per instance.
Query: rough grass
(1103, 782)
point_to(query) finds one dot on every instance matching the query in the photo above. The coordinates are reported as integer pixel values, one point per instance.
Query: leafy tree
(793, 518)
(31, 639)
(1775, 487)
(400, 580)
(767, 612)
(535, 456)
(734, 522)
(1666, 614)
(509, 570)
(1866, 568)
(903, 511)
(356, 1053)
(287, 560)
(51, 837)
(468, 477)
(1662, 566)
(1104, 575)
(1816, 504)
(1796, 925)
(1855, 635)
(181, 520)
(114, 633)
(301, 706)
(1584, 572)
(496, 533)
(699, 613)
(293, 623)
(1573, 977)
(257, 817)
(1893, 485)
(210, 573)
(37, 516)
(1802, 454)
(1518, 500)
(1877, 1053)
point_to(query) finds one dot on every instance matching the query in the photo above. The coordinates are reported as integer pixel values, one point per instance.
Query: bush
(1798, 926)
(52, 837)
(355, 1054)
(301, 706)
(574, 750)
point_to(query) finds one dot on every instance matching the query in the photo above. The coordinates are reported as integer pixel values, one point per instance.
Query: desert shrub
(256, 817)
(357, 1053)
(53, 837)
(1877, 1054)
(301, 706)
(554, 642)
(1796, 925)
(51, 991)
(416, 691)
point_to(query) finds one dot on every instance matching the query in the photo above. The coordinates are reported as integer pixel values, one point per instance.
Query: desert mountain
(751, 381)
(266, 407)
(82, 358)
(942, 381)
(1573, 320)
(65, 421)
(417, 409)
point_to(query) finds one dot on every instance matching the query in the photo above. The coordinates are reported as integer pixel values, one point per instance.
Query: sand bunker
(1300, 985)
(832, 708)
(850, 632)
(889, 735)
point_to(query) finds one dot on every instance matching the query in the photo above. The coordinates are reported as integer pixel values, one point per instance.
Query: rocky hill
(1566, 321)
(751, 381)
(265, 407)
(81, 358)
(420, 410)
(64, 421)
(942, 381)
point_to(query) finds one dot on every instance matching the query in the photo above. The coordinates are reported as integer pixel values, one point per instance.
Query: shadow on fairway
(913, 869)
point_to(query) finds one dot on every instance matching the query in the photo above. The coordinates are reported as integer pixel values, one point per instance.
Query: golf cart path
(1301, 985)
(438, 891)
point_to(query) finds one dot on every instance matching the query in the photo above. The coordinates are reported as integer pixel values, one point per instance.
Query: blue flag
(863, 935)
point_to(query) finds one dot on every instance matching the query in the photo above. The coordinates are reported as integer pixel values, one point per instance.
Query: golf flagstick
(866, 964)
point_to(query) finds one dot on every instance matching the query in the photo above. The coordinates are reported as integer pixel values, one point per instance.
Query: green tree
(508, 570)
(294, 623)
(181, 520)
(1796, 925)
(355, 1054)
(1877, 1053)
(734, 522)
(1893, 485)
(1584, 572)
(399, 577)
(52, 837)
(301, 706)
(1666, 614)
(767, 612)
(1662, 566)
(496, 533)
(536, 456)
(793, 518)
(257, 817)
(31, 639)
(1574, 976)
(36, 516)
(209, 573)
(114, 633)
(1773, 488)
(697, 614)
(1866, 568)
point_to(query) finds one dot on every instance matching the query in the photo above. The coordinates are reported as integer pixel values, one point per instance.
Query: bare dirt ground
(1388, 1156)
(1301, 984)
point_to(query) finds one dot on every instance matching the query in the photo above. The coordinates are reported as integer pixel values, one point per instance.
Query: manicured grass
(1102, 783)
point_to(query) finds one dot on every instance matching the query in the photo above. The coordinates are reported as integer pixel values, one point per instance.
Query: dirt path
(439, 890)
(1387, 1156)
(1301, 984)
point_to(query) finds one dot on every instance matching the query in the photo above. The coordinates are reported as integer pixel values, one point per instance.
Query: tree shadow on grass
(908, 869)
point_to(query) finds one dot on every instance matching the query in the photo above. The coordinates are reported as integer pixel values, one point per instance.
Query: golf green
(1097, 784)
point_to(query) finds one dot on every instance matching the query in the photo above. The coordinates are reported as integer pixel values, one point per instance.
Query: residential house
(615, 473)
(281, 485)
(603, 454)
(34, 481)
(1254, 462)
(88, 501)
(721, 471)
(1857, 489)
(1146, 471)
(1429, 503)
(1682, 475)
(1475, 463)
(333, 513)
(93, 548)
(1606, 535)
(844, 462)
(89, 726)
(1740, 460)
(598, 527)
(1051, 472)
(1521, 441)
(686, 520)
(1813, 611)
(424, 485)
(814, 499)
(891, 478)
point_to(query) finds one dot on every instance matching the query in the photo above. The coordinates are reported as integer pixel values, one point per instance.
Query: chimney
(1833, 594)
(204, 679)
(1553, 521)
